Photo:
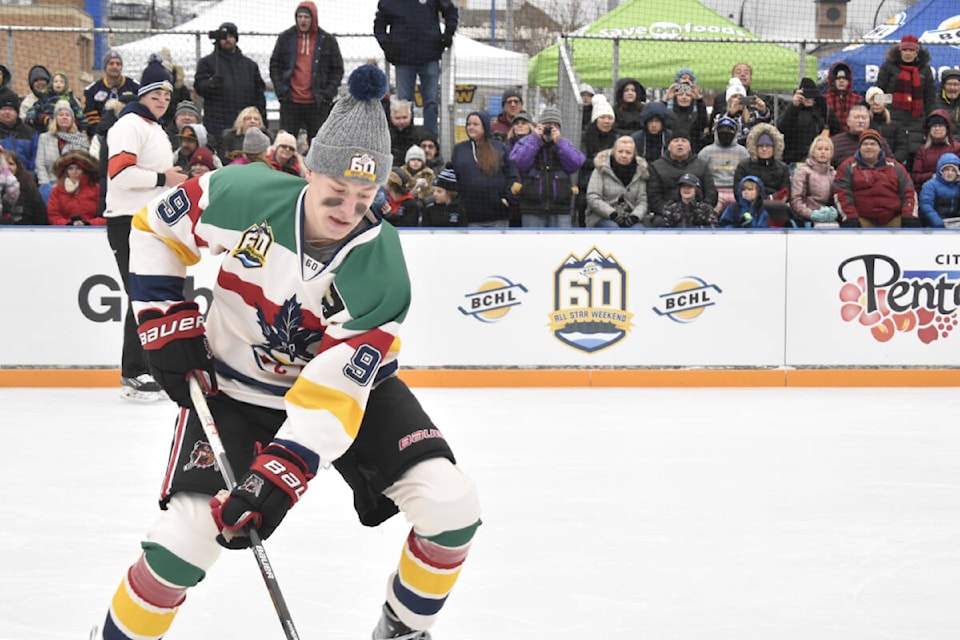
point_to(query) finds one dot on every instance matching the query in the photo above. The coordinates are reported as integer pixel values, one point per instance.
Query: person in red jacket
(873, 190)
(939, 140)
(73, 200)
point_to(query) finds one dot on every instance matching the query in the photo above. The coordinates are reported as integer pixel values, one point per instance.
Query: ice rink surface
(663, 514)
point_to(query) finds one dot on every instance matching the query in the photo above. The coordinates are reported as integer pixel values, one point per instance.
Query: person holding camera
(688, 112)
(802, 121)
(227, 81)
(747, 110)
(546, 162)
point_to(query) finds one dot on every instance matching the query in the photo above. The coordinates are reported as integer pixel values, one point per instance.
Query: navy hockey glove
(910, 222)
(175, 347)
(276, 480)
(851, 223)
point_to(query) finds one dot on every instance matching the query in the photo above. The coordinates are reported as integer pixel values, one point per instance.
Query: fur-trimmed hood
(893, 55)
(82, 159)
(773, 132)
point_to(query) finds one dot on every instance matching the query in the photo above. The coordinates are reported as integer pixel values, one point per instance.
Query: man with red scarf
(906, 74)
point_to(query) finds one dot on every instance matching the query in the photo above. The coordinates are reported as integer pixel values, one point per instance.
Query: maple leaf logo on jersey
(287, 341)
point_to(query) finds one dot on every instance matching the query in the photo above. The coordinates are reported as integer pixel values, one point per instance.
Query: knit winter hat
(909, 42)
(735, 87)
(446, 179)
(765, 139)
(9, 98)
(685, 71)
(586, 88)
(842, 70)
(303, 9)
(936, 119)
(154, 76)
(414, 153)
(510, 93)
(809, 88)
(203, 156)
(354, 142)
(399, 178)
(231, 29)
(949, 74)
(523, 115)
(255, 142)
(601, 107)
(284, 139)
(551, 115)
(870, 134)
(62, 105)
(188, 106)
(113, 54)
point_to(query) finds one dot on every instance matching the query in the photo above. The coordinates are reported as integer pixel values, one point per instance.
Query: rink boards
(554, 308)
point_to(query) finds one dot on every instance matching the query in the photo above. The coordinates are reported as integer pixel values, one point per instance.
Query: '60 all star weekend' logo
(590, 302)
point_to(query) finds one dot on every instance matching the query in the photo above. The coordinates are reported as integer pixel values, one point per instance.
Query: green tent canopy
(677, 25)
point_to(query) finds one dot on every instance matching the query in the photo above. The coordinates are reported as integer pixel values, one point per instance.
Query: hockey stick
(256, 544)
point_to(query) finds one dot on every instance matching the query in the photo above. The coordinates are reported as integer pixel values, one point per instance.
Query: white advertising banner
(481, 299)
(871, 298)
(595, 299)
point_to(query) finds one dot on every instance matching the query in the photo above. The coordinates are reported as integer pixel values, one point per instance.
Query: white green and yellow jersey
(286, 330)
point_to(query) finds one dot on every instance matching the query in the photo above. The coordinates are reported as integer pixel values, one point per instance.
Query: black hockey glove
(175, 347)
(275, 482)
(851, 223)
(447, 40)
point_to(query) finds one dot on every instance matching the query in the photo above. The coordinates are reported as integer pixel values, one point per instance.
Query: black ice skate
(390, 628)
(143, 388)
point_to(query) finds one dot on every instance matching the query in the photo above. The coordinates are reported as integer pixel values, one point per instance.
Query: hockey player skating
(302, 336)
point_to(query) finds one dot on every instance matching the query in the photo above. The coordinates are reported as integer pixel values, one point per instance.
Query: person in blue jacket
(940, 196)
(748, 211)
(485, 174)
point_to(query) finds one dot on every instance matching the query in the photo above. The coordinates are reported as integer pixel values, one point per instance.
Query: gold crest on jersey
(253, 246)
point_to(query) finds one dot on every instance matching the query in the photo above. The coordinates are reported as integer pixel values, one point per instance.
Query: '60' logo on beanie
(362, 165)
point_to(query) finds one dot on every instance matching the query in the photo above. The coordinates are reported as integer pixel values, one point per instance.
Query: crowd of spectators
(755, 160)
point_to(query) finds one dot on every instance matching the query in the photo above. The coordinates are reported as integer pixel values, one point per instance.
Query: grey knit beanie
(415, 152)
(354, 142)
(255, 142)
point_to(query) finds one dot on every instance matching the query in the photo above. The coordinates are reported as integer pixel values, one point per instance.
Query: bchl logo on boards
(493, 299)
(688, 299)
(590, 302)
(886, 299)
